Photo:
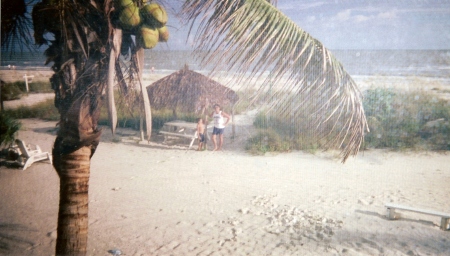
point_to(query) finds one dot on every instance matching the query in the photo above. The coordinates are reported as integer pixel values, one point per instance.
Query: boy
(200, 133)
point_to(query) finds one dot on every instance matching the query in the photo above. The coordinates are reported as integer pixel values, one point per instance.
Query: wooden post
(445, 223)
(205, 114)
(390, 213)
(233, 127)
(141, 127)
(26, 81)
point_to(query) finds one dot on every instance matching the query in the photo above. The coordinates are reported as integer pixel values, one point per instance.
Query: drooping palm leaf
(113, 57)
(251, 37)
(144, 95)
(16, 25)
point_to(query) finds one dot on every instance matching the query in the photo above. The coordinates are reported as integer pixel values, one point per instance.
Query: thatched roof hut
(189, 91)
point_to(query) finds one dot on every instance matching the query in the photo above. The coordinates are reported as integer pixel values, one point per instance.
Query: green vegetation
(44, 110)
(128, 115)
(267, 140)
(10, 92)
(397, 120)
(35, 87)
(8, 129)
(277, 134)
(414, 120)
(15, 90)
(126, 118)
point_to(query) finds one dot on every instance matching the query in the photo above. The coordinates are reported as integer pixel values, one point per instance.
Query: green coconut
(163, 34)
(149, 37)
(154, 14)
(129, 17)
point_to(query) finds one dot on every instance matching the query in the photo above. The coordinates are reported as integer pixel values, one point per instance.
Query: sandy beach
(158, 199)
(161, 200)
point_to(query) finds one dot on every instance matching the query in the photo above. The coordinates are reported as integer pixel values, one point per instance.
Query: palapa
(189, 91)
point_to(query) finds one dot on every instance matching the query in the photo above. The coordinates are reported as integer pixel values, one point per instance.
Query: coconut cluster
(148, 23)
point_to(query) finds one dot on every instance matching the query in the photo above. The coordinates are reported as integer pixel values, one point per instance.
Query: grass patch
(126, 118)
(15, 90)
(397, 120)
(45, 110)
(128, 115)
(34, 87)
(267, 141)
(275, 134)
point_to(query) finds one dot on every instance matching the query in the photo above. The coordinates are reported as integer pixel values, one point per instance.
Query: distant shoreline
(364, 82)
(430, 63)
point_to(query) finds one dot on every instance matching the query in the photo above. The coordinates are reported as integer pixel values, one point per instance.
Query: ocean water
(432, 63)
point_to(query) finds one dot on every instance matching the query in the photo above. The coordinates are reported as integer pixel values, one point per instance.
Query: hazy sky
(359, 24)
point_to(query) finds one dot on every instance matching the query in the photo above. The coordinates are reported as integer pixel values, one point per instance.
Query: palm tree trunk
(73, 170)
(75, 144)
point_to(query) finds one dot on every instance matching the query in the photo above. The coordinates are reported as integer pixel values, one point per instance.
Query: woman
(219, 126)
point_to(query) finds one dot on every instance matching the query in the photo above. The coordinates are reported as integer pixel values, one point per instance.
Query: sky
(357, 24)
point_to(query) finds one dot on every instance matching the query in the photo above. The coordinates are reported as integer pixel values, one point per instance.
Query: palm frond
(252, 37)
(144, 94)
(16, 24)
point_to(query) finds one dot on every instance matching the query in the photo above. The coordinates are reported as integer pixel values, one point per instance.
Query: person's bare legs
(214, 142)
(220, 142)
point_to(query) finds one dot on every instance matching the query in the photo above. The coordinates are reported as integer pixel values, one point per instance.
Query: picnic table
(180, 129)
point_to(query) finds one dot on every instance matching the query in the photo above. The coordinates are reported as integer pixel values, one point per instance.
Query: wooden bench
(189, 136)
(445, 217)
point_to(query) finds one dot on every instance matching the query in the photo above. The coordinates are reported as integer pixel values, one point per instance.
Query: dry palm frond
(252, 36)
(144, 95)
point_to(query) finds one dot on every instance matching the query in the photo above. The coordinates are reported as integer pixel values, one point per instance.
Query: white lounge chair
(29, 155)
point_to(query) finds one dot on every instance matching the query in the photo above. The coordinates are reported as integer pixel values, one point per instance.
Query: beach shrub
(278, 134)
(397, 120)
(406, 120)
(10, 91)
(9, 127)
(267, 140)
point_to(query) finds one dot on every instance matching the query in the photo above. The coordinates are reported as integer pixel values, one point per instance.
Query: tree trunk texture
(75, 144)
(84, 51)
(73, 170)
